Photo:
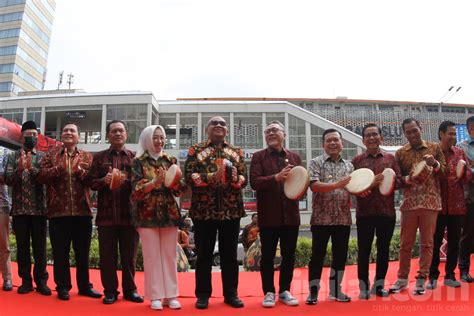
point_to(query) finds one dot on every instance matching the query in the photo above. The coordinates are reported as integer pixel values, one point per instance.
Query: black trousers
(367, 228)
(339, 238)
(467, 240)
(205, 232)
(112, 240)
(453, 223)
(26, 228)
(269, 236)
(64, 231)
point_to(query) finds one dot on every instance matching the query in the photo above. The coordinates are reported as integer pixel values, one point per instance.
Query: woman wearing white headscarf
(156, 214)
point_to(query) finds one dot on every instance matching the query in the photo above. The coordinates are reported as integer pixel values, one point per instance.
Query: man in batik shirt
(114, 221)
(63, 170)
(454, 207)
(421, 203)
(331, 217)
(467, 235)
(216, 172)
(375, 213)
(5, 206)
(28, 210)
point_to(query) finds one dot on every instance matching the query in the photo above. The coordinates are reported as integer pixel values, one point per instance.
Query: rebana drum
(296, 183)
(116, 179)
(173, 176)
(361, 180)
(421, 172)
(388, 183)
(460, 168)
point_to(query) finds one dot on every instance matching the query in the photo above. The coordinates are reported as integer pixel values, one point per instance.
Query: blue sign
(461, 133)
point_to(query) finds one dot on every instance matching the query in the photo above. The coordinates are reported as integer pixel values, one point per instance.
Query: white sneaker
(287, 298)
(156, 305)
(269, 300)
(173, 303)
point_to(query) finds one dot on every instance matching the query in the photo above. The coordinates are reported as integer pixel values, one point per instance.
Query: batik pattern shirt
(211, 200)
(67, 190)
(157, 208)
(113, 206)
(376, 203)
(468, 147)
(28, 195)
(334, 207)
(452, 189)
(424, 195)
(5, 203)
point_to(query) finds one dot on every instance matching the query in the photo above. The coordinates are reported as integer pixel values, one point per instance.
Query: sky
(405, 50)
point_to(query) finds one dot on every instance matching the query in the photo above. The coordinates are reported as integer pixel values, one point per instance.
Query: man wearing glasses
(279, 217)
(216, 172)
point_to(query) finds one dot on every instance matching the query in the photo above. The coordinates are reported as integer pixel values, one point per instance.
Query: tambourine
(116, 179)
(173, 176)
(460, 168)
(361, 180)
(296, 183)
(388, 183)
(421, 171)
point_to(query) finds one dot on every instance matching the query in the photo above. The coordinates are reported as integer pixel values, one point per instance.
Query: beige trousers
(5, 264)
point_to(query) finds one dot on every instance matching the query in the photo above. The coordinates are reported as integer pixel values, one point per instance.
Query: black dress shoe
(90, 293)
(109, 299)
(133, 297)
(312, 299)
(382, 293)
(25, 288)
(63, 295)
(43, 289)
(465, 277)
(234, 302)
(7, 285)
(364, 295)
(202, 303)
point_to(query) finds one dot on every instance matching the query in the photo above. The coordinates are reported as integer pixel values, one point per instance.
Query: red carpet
(442, 301)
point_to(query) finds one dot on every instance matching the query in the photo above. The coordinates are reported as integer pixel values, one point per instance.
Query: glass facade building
(25, 32)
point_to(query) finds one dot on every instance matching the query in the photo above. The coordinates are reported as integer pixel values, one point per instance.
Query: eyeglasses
(215, 123)
(272, 131)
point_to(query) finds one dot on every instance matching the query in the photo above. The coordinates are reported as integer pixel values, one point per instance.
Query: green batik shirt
(28, 195)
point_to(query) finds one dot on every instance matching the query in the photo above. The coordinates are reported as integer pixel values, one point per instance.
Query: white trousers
(160, 261)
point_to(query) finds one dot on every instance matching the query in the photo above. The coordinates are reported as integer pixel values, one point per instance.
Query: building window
(133, 114)
(168, 121)
(248, 130)
(188, 129)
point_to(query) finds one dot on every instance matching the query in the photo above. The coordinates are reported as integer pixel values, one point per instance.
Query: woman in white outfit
(155, 215)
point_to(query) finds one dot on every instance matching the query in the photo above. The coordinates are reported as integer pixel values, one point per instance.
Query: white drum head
(419, 168)
(460, 168)
(361, 179)
(173, 175)
(296, 183)
(388, 183)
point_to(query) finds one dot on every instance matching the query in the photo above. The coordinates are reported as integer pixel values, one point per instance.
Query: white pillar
(103, 124)
(231, 130)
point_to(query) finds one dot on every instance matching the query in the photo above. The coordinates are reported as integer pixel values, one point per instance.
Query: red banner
(10, 134)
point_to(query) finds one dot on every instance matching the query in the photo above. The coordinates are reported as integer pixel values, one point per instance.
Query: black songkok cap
(28, 125)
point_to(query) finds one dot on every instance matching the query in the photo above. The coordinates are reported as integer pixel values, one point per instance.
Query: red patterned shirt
(424, 195)
(376, 203)
(452, 190)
